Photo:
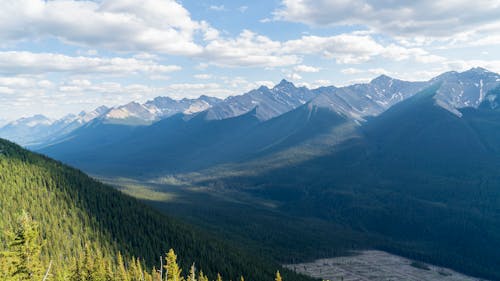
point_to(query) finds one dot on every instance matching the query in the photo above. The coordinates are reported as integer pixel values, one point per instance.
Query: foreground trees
(83, 224)
(22, 261)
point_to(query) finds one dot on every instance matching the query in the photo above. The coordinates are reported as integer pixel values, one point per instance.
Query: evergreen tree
(172, 268)
(202, 276)
(219, 277)
(278, 276)
(98, 272)
(77, 271)
(122, 271)
(23, 256)
(110, 275)
(84, 227)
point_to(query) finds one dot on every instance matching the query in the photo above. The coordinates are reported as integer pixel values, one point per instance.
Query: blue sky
(59, 57)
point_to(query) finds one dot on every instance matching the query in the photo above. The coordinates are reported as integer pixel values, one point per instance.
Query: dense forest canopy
(81, 224)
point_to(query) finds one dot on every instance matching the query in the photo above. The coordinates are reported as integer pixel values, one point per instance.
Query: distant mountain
(413, 170)
(173, 143)
(165, 106)
(37, 130)
(362, 100)
(418, 176)
(3, 122)
(183, 143)
(269, 102)
(491, 100)
(357, 101)
(197, 141)
(161, 107)
(62, 127)
(45, 132)
(27, 129)
(464, 89)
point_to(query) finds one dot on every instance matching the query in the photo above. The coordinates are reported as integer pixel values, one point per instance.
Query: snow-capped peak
(32, 121)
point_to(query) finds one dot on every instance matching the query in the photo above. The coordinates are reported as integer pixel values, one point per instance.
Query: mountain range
(356, 102)
(407, 167)
(262, 122)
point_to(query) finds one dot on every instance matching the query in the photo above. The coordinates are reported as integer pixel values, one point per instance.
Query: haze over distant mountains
(263, 123)
(356, 102)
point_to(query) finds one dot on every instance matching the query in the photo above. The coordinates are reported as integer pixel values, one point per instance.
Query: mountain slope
(25, 129)
(38, 130)
(465, 89)
(269, 102)
(181, 144)
(421, 178)
(75, 212)
(362, 100)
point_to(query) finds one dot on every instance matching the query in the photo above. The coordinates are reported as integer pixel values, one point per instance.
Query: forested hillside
(422, 179)
(72, 220)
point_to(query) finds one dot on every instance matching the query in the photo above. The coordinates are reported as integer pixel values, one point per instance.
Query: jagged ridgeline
(79, 221)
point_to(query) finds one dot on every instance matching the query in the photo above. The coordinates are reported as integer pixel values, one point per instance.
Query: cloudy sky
(64, 56)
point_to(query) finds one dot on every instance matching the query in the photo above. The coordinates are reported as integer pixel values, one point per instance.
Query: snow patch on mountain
(465, 89)
(283, 97)
(33, 121)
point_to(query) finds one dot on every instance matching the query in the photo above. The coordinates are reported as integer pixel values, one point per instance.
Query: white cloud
(266, 83)
(429, 18)
(14, 62)
(321, 83)
(17, 82)
(344, 48)
(293, 76)
(90, 52)
(243, 9)
(202, 76)
(351, 70)
(306, 68)
(248, 50)
(461, 65)
(202, 66)
(371, 71)
(194, 90)
(219, 8)
(153, 27)
(353, 49)
(163, 26)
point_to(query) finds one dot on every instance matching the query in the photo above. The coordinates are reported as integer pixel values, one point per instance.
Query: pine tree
(110, 274)
(99, 268)
(122, 271)
(77, 273)
(278, 276)
(135, 271)
(202, 277)
(87, 263)
(23, 257)
(172, 268)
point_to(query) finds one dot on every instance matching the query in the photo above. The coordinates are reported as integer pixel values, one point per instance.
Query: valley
(413, 174)
(286, 140)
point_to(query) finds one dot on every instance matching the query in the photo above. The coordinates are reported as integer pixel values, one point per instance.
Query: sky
(65, 56)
